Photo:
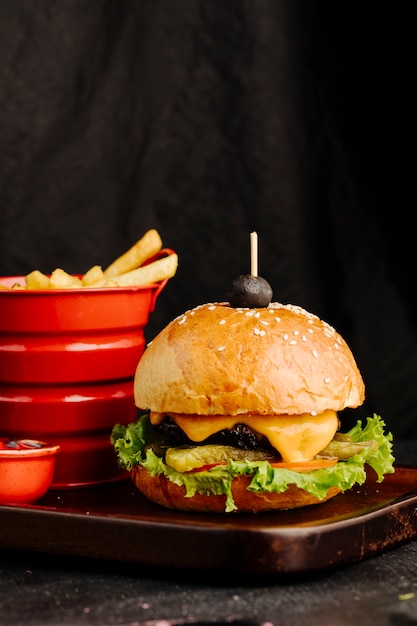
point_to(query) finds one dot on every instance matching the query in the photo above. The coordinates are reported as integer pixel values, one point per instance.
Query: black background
(208, 119)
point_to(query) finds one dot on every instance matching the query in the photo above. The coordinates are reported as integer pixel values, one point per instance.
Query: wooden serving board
(115, 522)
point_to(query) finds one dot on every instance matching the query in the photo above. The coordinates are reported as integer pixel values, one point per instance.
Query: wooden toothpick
(254, 254)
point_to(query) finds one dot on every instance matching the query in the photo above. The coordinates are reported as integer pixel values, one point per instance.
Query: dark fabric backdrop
(207, 119)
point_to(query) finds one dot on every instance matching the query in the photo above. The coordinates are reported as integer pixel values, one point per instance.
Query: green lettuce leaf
(381, 459)
(134, 444)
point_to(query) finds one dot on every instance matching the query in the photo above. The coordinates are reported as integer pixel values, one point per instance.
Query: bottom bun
(164, 492)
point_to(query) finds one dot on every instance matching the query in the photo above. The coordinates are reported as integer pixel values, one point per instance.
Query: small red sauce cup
(26, 473)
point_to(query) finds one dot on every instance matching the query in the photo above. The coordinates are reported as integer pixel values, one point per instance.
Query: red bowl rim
(73, 291)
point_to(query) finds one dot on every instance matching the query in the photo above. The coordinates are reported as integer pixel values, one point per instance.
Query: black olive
(248, 291)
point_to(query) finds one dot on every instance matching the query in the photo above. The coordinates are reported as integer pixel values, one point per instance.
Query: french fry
(93, 275)
(140, 252)
(128, 270)
(14, 287)
(154, 272)
(60, 279)
(37, 280)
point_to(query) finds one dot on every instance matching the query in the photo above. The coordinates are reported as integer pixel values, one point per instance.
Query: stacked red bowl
(67, 363)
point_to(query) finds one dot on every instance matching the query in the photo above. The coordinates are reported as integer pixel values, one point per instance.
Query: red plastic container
(67, 363)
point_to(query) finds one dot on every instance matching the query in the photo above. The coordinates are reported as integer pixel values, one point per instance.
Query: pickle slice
(187, 458)
(343, 447)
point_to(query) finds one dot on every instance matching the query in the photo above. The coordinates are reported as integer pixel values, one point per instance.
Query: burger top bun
(220, 360)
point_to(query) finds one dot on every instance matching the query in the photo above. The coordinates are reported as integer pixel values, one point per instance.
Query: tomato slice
(305, 466)
(205, 468)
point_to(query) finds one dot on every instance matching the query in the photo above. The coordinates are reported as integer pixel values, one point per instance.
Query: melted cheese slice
(296, 437)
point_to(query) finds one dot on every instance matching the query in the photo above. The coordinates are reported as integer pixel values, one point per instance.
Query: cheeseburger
(238, 411)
